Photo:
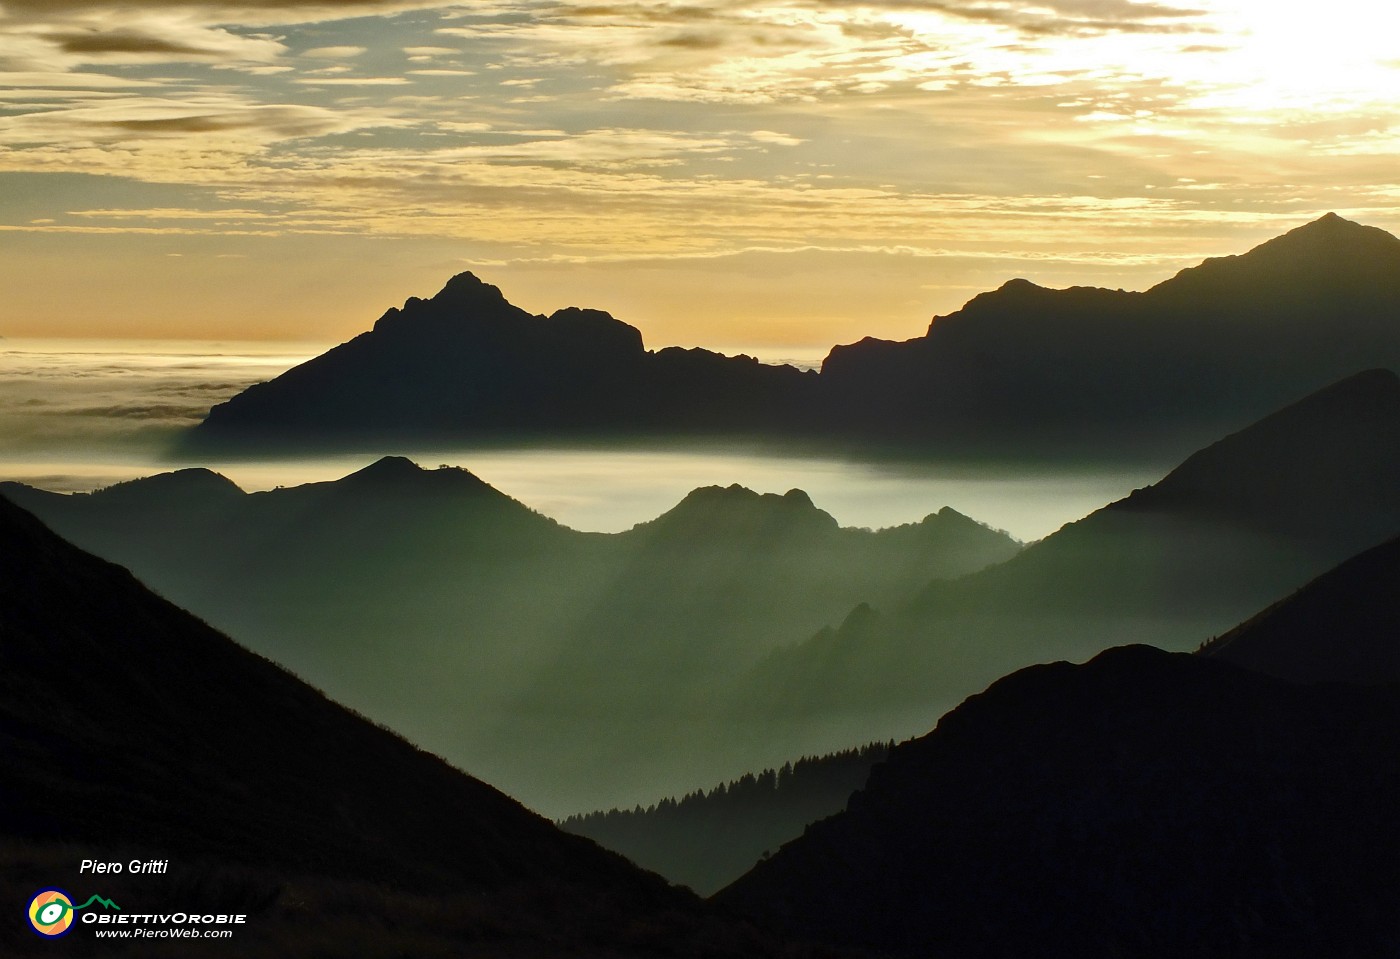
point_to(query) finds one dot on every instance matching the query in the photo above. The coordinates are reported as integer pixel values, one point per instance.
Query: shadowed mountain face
(128, 724)
(578, 670)
(1145, 804)
(1344, 626)
(1021, 370)
(1237, 525)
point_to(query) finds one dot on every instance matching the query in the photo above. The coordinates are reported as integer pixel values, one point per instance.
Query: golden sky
(776, 175)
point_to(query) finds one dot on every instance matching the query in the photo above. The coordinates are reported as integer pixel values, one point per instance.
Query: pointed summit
(1331, 256)
(466, 289)
(387, 469)
(465, 299)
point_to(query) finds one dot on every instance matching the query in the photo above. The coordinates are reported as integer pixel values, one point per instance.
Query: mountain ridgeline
(1343, 627)
(585, 671)
(1237, 525)
(1021, 370)
(1145, 804)
(707, 839)
(468, 363)
(576, 670)
(130, 729)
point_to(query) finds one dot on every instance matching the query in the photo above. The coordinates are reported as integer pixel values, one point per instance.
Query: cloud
(140, 118)
(224, 11)
(124, 41)
(353, 81)
(175, 213)
(334, 53)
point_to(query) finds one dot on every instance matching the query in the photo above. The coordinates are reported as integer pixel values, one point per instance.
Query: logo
(51, 911)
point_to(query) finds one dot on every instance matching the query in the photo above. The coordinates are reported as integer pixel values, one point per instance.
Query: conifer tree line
(706, 839)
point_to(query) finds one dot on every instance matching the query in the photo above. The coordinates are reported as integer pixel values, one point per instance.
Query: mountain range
(1019, 371)
(584, 671)
(577, 670)
(1237, 525)
(1146, 803)
(131, 730)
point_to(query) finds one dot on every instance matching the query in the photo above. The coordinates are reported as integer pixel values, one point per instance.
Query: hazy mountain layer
(133, 730)
(1236, 526)
(575, 669)
(1022, 370)
(1145, 804)
(707, 839)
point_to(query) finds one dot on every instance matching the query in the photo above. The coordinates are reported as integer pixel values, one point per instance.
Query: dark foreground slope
(1145, 804)
(1237, 525)
(132, 730)
(1344, 626)
(1019, 371)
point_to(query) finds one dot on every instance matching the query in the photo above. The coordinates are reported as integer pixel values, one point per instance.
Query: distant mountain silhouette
(1228, 340)
(1022, 370)
(1237, 525)
(131, 728)
(707, 839)
(466, 362)
(1146, 804)
(1344, 626)
(578, 670)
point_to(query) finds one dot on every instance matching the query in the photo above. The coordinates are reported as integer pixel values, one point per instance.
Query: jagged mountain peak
(464, 297)
(737, 508)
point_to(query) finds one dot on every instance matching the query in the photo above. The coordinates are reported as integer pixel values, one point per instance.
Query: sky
(769, 175)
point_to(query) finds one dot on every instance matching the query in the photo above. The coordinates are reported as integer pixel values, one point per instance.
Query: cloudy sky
(776, 175)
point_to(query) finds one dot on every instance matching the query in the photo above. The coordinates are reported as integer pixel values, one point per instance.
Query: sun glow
(1280, 58)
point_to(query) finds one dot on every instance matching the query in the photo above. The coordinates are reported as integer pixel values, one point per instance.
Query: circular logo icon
(51, 913)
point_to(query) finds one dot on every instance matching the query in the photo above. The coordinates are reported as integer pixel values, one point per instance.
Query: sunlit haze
(81, 415)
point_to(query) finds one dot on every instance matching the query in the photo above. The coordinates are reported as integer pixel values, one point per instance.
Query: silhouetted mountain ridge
(1144, 804)
(1344, 626)
(467, 362)
(1022, 370)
